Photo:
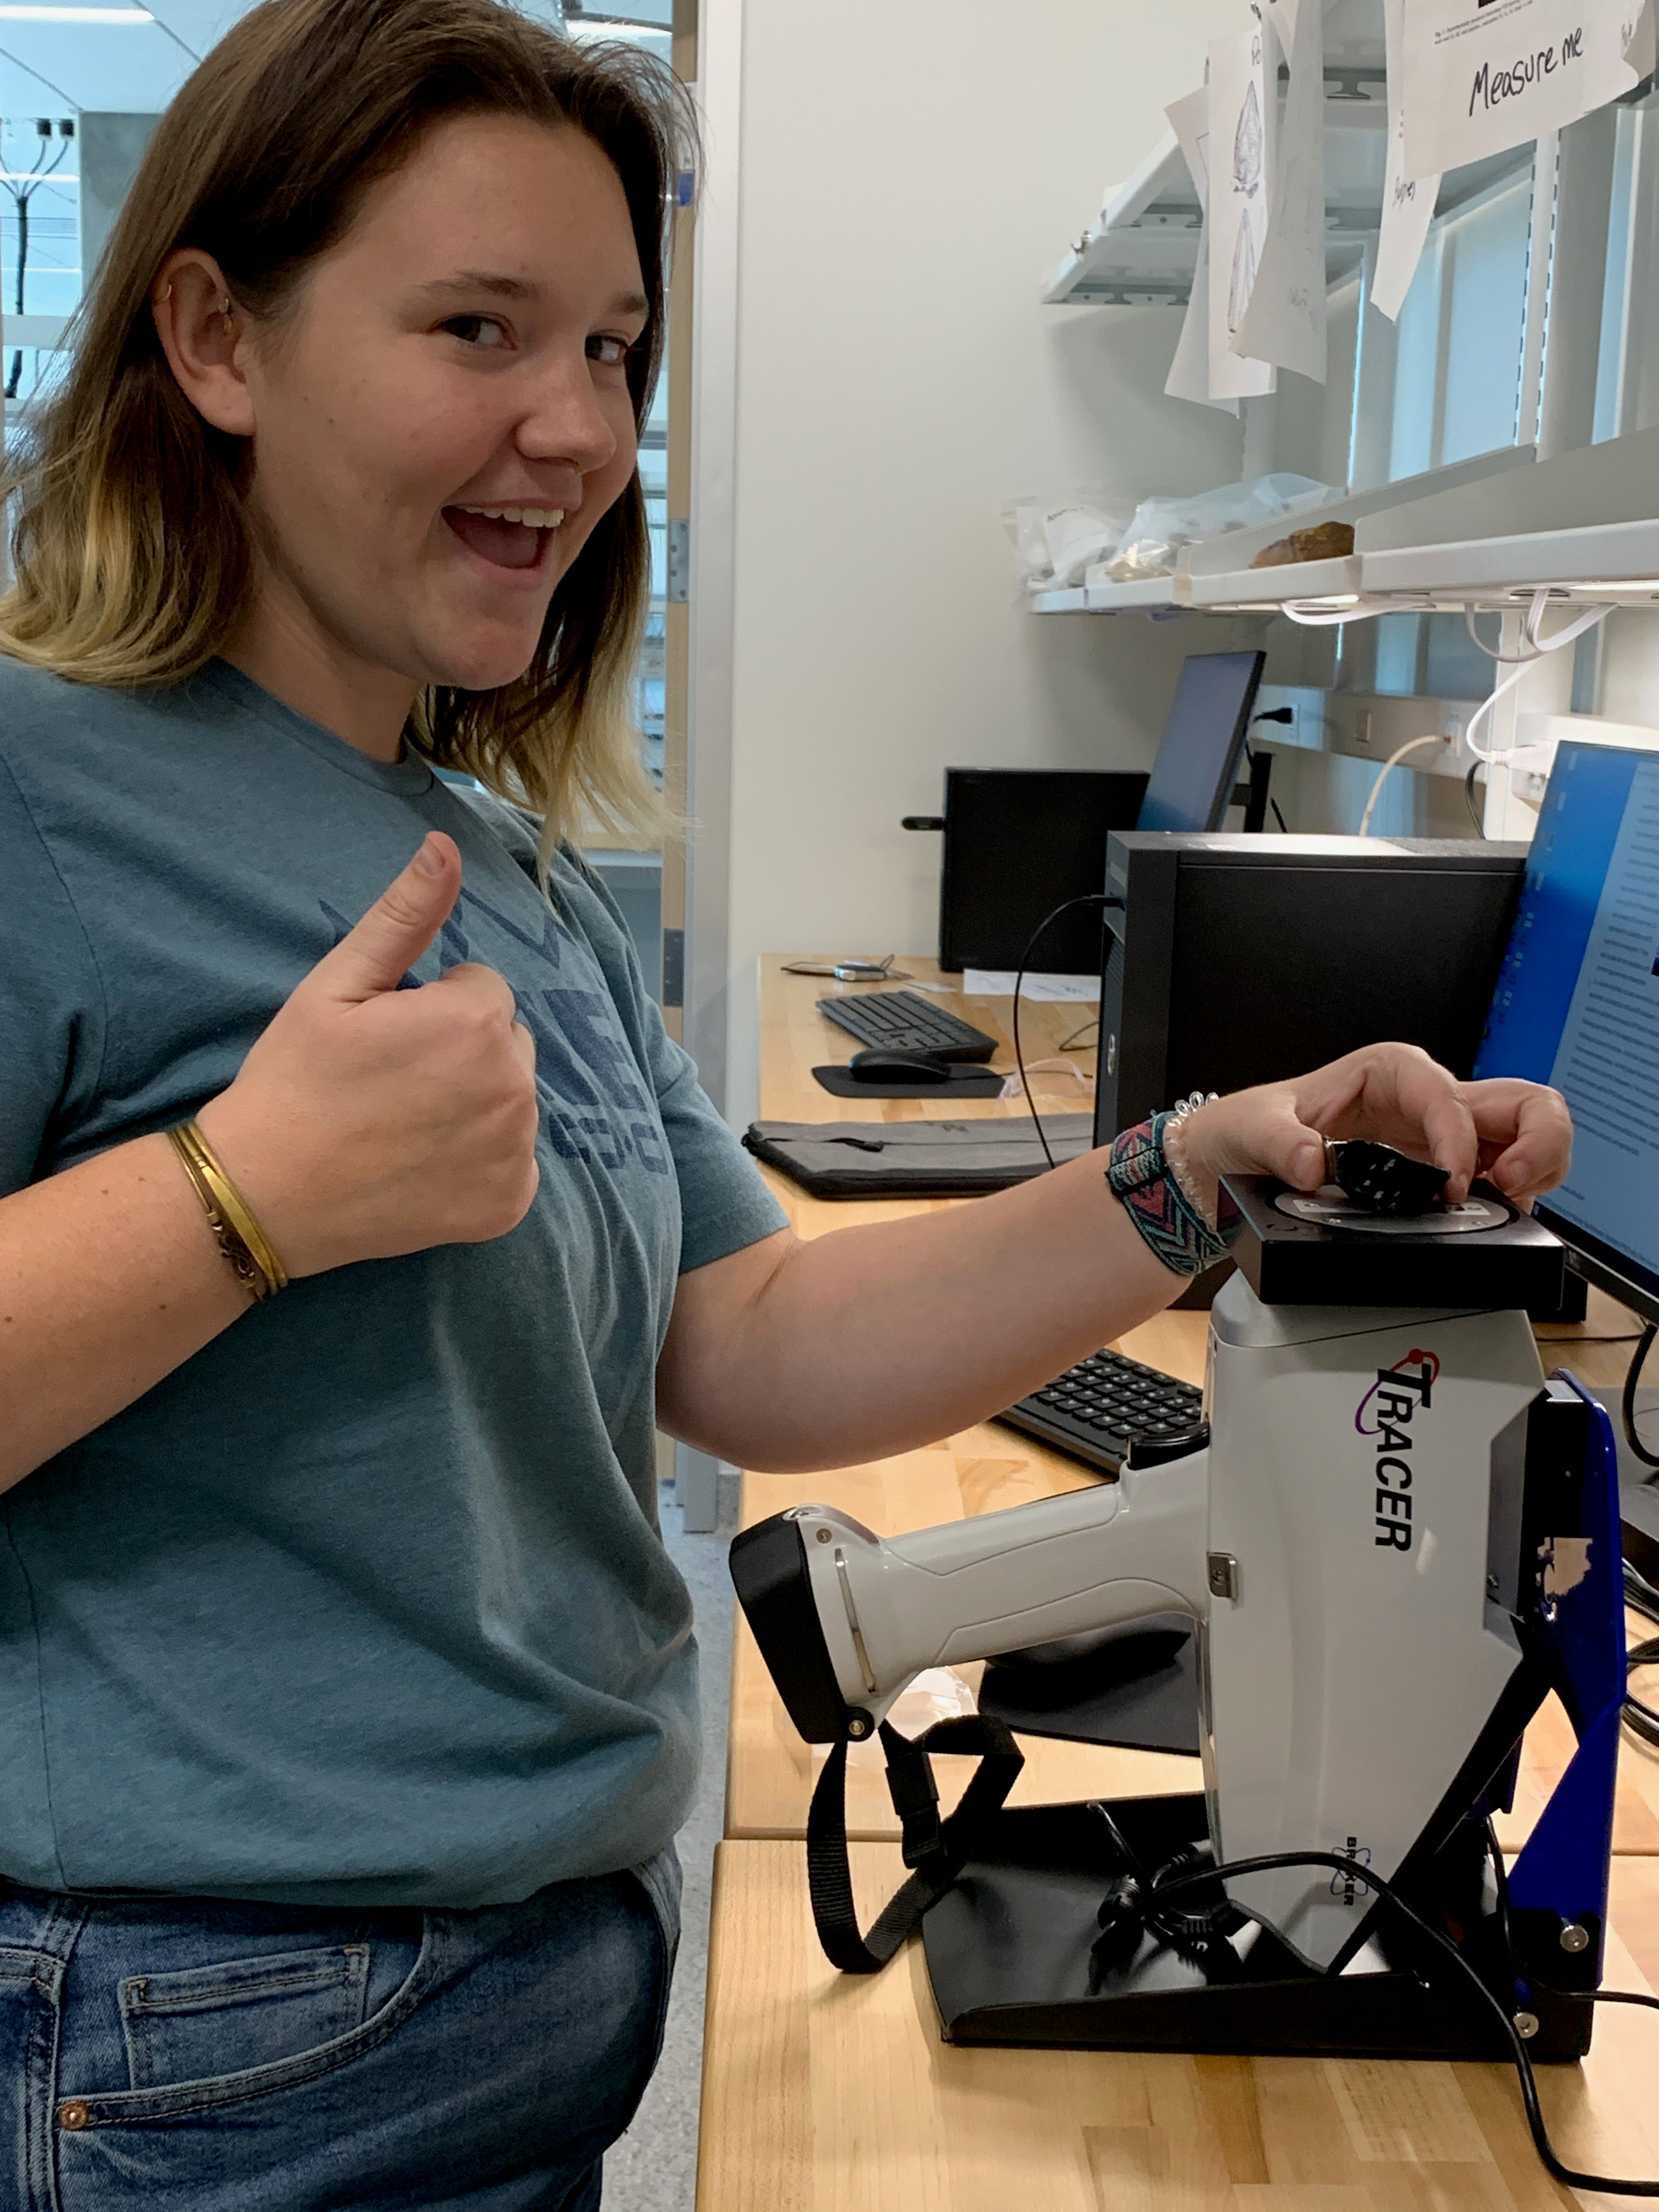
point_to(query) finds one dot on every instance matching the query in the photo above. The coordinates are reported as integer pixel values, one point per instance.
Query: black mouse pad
(1106, 1698)
(967, 1081)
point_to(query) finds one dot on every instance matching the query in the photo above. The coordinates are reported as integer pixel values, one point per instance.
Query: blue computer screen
(1577, 1002)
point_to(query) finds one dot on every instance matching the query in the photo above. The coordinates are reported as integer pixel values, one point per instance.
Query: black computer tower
(1019, 842)
(1237, 960)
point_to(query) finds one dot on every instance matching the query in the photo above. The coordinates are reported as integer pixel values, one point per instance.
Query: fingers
(485, 986)
(1519, 1135)
(1395, 1095)
(1288, 1148)
(524, 1046)
(1430, 1097)
(397, 928)
(1532, 1126)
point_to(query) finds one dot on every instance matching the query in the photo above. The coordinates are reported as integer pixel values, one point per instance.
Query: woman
(363, 1220)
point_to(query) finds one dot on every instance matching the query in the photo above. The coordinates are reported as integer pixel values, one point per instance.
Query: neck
(291, 655)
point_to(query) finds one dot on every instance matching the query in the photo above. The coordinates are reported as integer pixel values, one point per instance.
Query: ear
(203, 335)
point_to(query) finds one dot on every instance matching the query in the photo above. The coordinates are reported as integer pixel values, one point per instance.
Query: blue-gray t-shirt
(367, 1602)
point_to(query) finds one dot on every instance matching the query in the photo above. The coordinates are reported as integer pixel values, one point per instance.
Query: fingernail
(428, 861)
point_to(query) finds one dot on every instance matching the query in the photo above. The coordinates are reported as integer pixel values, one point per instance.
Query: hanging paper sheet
(1190, 372)
(1285, 321)
(1407, 204)
(1281, 13)
(1482, 75)
(1242, 117)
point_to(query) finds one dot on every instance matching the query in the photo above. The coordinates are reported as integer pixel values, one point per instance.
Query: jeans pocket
(224, 2019)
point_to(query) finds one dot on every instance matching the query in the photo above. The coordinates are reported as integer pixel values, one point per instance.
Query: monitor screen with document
(1577, 1004)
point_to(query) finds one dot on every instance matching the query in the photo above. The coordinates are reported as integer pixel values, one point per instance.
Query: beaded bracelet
(1141, 1178)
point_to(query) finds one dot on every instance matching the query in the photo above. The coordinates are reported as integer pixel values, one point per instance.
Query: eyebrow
(501, 287)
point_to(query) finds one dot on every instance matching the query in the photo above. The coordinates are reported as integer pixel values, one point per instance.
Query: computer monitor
(1577, 1004)
(1018, 844)
(1191, 786)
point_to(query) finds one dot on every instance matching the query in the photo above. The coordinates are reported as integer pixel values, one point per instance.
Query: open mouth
(506, 536)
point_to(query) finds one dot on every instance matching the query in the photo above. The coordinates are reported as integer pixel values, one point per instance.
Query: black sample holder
(1516, 1265)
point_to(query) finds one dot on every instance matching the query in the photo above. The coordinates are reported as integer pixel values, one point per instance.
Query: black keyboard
(1098, 1408)
(903, 1021)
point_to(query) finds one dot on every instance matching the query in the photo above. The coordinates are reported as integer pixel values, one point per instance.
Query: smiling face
(443, 414)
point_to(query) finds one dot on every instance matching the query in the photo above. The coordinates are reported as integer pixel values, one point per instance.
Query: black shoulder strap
(935, 1848)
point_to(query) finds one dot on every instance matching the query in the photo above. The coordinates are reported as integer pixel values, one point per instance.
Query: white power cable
(1311, 616)
(1528, 653)
(1542, 645)
(1392, 762)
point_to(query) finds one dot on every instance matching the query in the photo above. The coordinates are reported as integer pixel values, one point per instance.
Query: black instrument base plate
(1288, 1262)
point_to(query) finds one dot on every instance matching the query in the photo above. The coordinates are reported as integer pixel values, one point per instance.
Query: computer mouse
(879, 1066)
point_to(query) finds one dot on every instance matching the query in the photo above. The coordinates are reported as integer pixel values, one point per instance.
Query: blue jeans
(189, 2056)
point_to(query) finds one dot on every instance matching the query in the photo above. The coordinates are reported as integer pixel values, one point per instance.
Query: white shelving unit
(1584, 526)
(1145, 247)
(1216, 577)
(1486, 533)
(1616, 562)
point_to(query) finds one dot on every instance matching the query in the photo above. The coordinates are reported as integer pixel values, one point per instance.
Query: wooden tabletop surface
(829, 2093)
(824, 2092)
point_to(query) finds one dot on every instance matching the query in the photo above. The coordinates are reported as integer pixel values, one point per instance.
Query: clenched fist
(368, 1121)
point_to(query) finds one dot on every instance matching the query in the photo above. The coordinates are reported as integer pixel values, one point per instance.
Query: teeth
(532, 517)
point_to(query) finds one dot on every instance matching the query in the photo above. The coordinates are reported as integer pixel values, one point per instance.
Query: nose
(565, 419)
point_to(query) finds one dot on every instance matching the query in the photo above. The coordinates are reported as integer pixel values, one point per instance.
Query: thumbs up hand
(367, 1121)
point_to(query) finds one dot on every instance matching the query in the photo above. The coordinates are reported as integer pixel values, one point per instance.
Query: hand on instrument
(369, 1121)
(1517, 1136)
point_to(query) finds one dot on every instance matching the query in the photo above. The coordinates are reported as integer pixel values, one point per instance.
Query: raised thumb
(397, 928)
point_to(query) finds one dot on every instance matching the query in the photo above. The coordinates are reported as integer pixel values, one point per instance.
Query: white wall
(1630, 669)
(907, 177)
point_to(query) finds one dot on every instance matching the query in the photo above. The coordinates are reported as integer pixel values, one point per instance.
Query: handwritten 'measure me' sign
(1481, 75)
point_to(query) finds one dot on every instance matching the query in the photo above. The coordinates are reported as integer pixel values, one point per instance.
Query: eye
(484, 332)
(608, 350)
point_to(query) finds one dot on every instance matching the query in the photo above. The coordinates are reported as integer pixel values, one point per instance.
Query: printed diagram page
(1240, 190)
(1607, 1065)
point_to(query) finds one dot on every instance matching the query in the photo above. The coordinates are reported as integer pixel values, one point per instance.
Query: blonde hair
(132, 549)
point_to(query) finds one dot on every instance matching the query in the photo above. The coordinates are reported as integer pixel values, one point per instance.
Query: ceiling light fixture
(12, 15)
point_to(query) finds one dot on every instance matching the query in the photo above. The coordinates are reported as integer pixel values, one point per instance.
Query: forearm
(110, 1278)
(873, 1340)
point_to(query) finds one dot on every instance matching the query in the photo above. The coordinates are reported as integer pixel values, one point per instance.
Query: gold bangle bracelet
(250, 1252)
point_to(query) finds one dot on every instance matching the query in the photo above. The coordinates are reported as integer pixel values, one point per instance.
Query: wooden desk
(825, 2092)
(828, 2093)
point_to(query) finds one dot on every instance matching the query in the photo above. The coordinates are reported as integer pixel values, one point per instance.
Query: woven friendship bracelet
(1140, 1178)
